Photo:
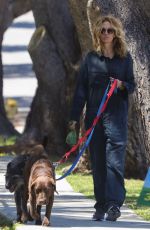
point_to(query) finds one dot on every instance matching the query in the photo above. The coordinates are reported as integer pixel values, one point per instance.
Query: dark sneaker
(112, 213)
(98, 215)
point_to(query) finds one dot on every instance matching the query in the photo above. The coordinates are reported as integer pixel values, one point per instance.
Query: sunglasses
(109, 31)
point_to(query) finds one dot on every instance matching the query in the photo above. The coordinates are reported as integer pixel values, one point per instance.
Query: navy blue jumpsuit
(107, 147)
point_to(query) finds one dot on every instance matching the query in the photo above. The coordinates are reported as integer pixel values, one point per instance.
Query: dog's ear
(31, 188)
(32, 192)
(9, 165)
(9, 168)
(32, 200)
(52, 181)
(53, 184)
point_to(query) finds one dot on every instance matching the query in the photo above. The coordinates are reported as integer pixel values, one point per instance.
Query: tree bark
(19, 7)
(47, 116)
(82, 24)
(54, 50)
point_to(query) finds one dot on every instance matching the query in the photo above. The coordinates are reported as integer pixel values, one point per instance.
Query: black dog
(14, 182)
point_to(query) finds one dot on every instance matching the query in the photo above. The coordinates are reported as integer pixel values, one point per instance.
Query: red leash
(82, 139)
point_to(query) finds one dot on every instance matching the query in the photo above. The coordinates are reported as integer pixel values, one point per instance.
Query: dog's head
(42, 189)
(14, 173)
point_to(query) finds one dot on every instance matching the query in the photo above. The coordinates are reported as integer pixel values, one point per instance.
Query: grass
(137, 199)
(7, 140)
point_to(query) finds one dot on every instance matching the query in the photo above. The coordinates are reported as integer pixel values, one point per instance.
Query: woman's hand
(119, 83)
(71, 138)
(72, 125)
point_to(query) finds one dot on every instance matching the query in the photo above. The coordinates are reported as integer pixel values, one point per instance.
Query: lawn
(137, 198)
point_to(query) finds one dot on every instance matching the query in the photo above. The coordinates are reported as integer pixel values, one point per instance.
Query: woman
(109, 60)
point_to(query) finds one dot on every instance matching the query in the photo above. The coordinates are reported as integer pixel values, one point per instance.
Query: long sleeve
(80, 95)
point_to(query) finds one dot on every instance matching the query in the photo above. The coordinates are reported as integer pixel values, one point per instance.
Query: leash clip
(55, 164)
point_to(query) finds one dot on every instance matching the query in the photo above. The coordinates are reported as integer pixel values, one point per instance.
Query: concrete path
(70, 211)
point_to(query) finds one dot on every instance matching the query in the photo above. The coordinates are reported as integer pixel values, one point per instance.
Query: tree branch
(19, 7)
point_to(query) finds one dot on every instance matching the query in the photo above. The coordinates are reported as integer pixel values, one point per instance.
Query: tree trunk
(47, 116)
(82, 23)
(54, 50)
(131, 13)
(19, 7)
(6, 128)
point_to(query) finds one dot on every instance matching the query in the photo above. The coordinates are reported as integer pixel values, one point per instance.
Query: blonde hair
(119, 43)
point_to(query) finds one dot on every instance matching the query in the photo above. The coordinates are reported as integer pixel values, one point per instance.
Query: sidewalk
(70, 210)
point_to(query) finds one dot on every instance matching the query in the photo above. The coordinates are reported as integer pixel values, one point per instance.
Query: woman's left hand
(120, 85)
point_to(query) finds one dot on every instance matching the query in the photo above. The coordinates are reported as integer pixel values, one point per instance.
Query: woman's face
(107, 33)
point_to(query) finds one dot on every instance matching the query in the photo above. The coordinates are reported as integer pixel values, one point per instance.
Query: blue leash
(88, 139)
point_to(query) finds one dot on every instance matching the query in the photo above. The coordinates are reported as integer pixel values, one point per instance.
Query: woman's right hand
(72, 125)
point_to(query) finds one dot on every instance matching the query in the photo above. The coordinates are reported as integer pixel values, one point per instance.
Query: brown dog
(41, 190)
(17, 177)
